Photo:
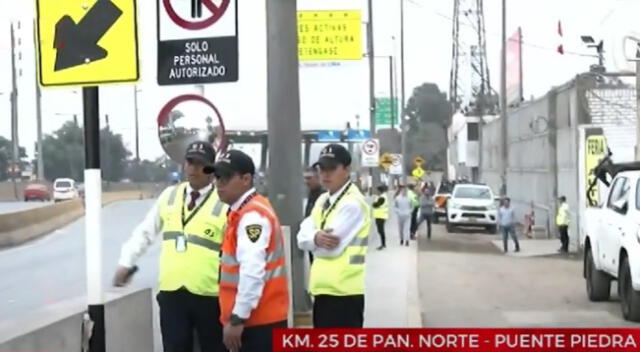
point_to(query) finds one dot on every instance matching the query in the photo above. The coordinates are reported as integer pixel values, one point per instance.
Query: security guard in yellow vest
(381, 213)
(337, 232)
(191, 218)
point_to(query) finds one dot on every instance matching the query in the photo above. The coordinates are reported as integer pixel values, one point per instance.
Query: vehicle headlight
(493, 206)
(455, 205)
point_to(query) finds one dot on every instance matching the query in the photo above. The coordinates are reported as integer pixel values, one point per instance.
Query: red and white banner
(471, 340)
(514, 68)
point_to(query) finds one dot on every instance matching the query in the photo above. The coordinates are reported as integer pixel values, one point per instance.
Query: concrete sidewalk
(392, 298)
(536, 248)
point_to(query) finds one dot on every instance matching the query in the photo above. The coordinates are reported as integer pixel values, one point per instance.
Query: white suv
(472, 205)
(611, 239)
(64, 189)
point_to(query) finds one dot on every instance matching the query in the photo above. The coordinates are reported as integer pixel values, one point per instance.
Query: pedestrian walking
(312, 181)
(507, 224)
(337, 232)
(415, 207)
(190, 219)
(403, 208)
(426, 209)
(254, 296)
(563, 220)
(381, 214)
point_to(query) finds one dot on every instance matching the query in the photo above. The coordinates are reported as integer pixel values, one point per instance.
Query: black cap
(333, 155)
(230, 163)
(202, 152)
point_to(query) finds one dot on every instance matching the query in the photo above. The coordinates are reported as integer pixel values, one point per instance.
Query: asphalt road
(465, 281)
(52, 269)
(11, 207)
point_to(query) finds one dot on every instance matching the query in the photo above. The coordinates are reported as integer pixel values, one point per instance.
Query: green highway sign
(383, 112)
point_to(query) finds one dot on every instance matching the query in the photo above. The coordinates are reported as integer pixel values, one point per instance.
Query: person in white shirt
(189, 218)
(403, 208)
(337, 232)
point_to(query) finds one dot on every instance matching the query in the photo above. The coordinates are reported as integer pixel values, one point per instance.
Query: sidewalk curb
(414, 311)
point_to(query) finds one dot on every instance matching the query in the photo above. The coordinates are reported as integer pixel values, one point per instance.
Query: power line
(493, 34)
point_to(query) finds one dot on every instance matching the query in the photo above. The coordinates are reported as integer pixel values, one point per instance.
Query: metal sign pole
(93, 224)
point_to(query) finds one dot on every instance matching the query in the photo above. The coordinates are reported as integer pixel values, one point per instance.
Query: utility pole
(392, 95)
(284, 133)
(374, 172)
(135, 103)
(14, 114)
(40, 160)
(401, 123)
(503, 101)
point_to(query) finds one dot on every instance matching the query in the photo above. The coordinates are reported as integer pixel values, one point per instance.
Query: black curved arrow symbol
(77, 44)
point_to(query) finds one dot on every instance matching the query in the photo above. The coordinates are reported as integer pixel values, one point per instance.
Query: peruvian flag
(561, 46)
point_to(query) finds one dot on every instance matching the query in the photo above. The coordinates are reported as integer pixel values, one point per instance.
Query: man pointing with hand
(337, 232)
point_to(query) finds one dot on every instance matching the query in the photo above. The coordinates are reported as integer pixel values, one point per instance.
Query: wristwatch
(235, 320)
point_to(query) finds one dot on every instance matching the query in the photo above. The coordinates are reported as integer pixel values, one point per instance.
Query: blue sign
(336, 135)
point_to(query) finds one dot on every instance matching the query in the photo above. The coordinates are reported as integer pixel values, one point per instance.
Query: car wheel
(26, 199)
(629, 298)
(598, 282)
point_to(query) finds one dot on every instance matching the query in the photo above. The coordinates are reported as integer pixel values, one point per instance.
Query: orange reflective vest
(273, 306)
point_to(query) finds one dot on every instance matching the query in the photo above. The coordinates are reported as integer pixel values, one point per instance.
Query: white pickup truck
(612, 237)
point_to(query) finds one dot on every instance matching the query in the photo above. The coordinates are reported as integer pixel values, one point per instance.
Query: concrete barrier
(58, 328)
(23, 226)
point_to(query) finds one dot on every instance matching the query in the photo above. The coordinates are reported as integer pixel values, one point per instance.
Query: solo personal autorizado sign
(197, 41)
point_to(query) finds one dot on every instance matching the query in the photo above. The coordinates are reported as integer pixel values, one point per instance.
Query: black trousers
(182, 313)
(259, 338)
(338, 311)
(414, 222)
(428, 218)
(380, 226)
(564, 237)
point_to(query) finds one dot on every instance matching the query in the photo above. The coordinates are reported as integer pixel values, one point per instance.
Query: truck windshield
(473, 193)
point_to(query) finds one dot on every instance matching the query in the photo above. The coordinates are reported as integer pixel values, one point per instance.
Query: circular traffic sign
(216, 14)
(370, 147)
(396, 160)
(177, 130)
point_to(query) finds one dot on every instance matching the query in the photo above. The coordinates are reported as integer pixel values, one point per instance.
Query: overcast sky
(328, 95)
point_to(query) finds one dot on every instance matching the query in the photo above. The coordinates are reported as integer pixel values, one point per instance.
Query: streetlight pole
(401, 123)
(503, 100)
(374, 171)
(14, 114)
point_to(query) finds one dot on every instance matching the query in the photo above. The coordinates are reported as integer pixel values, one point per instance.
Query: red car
(37, 191)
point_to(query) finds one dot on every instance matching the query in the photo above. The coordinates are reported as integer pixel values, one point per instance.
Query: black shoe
(381, 248)
(406, 243)
(517, 250)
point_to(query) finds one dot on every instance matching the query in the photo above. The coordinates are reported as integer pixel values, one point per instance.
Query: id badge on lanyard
(181, 244)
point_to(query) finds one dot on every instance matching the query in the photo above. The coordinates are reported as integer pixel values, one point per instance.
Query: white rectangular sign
(396, 167)
(370, 152)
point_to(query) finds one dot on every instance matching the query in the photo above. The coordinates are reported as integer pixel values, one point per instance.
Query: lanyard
(195, 211)
(325, 214)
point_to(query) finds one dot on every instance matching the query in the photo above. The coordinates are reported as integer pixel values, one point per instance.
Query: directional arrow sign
(77, 43)
(87, 42)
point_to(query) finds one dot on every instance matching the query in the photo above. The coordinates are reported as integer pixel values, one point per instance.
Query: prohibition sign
(221, 147)
(217, 13)
(370, 147)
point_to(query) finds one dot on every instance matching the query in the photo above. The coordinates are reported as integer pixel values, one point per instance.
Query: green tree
(63, 154)
(429, 114)
(148, 171)
(5, 157)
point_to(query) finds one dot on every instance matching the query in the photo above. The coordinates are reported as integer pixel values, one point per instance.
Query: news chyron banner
(329, 35)
(463, 340)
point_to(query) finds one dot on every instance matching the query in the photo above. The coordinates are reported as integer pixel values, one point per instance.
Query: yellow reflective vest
(342, 275)
(563, 218)
(190, 252)
(382, 212)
